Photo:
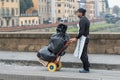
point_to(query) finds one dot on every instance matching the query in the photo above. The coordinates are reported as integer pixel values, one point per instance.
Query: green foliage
(98, 26)
(116, 10)
(92, 27)
(25, 4)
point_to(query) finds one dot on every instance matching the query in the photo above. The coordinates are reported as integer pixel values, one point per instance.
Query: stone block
(110, 51)
(37, 47)
(117, 49)
(31, 48)
(22, 47)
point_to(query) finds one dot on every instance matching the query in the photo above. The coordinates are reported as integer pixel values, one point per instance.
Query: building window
(65, 5)
(59, 11)
(12, 0)
(16, 11)
(1, 22)
(33, 21)
(13, 23)
(45, 9)
(42, 10)
(7, 11)
(3, 12)
(7, 0)
(13, 12)
(59, 5)
(29, 21)
(26, 22)
(39, 21)
(21, 23)
(7, 22)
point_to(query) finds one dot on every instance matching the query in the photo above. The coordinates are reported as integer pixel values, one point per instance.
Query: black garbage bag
(58, 40)
(45, 54)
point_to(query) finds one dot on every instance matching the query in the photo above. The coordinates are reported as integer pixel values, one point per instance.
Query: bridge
(40, 26)
(18, 57)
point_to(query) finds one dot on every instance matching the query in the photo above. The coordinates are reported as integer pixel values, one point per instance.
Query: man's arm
(82, 29)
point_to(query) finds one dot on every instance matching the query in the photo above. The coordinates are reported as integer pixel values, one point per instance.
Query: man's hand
(73, 39)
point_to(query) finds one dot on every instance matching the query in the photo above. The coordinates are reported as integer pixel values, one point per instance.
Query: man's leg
(84, 58)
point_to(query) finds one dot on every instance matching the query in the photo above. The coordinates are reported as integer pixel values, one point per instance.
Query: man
(84, 25)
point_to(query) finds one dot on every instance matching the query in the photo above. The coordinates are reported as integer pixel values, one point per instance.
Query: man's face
(79, 14)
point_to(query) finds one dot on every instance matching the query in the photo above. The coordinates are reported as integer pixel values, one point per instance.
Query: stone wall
(105, 43)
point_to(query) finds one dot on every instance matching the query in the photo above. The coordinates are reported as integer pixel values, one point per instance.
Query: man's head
(81, 12)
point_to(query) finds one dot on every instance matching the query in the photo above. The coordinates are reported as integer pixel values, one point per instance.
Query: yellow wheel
(59, 66)
(52, 67)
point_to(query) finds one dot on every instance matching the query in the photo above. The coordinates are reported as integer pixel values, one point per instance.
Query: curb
(65, 64)
(35, 77)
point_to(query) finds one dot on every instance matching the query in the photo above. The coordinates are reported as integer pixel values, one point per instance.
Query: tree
(116, 10)
(22, 6)
(25, 4)
(29, 3)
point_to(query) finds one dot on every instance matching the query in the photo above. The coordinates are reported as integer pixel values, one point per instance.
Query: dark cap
(83, 11)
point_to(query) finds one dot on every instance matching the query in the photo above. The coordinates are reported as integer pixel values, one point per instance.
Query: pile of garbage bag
(57, 42)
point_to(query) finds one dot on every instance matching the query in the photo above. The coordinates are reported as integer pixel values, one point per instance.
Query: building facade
(55, 10)
(28, 21)
(9, 13)
(44, 11)
(65, 9)
(30, 17)
(101, 7)
(90, 7)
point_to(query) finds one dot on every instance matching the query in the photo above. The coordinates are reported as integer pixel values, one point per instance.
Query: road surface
(17, 72)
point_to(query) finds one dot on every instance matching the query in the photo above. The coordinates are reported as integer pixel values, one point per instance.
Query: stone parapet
(105, 43)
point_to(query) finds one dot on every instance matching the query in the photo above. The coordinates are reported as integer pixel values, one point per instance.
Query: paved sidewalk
(16, 72)
(97, 60)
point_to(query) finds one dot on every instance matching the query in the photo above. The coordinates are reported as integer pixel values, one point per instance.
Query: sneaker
(84, 71)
